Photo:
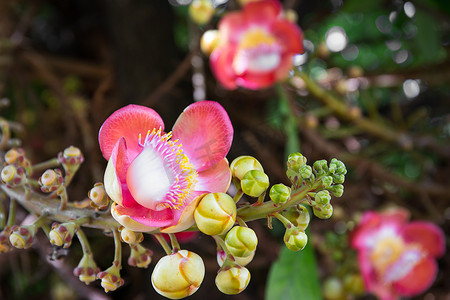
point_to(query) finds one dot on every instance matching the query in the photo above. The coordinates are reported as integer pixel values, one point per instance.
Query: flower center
(386, 251)
(161, 176)
(256, 37)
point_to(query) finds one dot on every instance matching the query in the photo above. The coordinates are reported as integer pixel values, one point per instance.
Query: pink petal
(221, 63)
(128, 122)
(215, 179)
(145, 216)
(261, 12)
(284, 67)
(231, 27)
(289, 36)
(205, 132)
(429, 236)
(127, 222)
(419, 279)
(255, 81)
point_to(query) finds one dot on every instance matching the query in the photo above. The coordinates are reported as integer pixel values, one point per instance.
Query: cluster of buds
(110, 278)
(87, 269)
(98, 196)
(140, 256)
(16, 157)
(51, 180)
(62, 234)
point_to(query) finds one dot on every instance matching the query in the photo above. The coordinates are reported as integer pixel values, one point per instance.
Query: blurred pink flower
(397, 257)
(256, 46)
(155, 178)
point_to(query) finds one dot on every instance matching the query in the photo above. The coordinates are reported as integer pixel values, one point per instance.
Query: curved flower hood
(397, 257)
(256, 46)
(155, 178)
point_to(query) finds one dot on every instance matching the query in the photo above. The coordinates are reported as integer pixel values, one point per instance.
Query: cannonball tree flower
(155, 178)
(397, 257)
(256, 46)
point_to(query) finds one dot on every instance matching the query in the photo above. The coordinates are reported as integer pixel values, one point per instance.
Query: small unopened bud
(242, 261)
(241, 241)
(201, 11)
(21, 237)
(5, 244)
(337, 190)
(178, 275)
(295, 161)
(354, 284)
(98, 196)
(12, 176)
(242, 164)
(209, 41)
(320, 167)
(15, 156)
(71, 156)
(298, 216)
(323, 197)
(338, 166)
(51, 180)
(323, 211)
(140, 256)
(131, 237)
(254, 183)
(232, 281)
(280, 193)
(295, 239)
(305, 172)
(87, 269)
(327, 181)
(338, 178)
(110, 278)
(333, 289)
(62, 234)
(215, 213)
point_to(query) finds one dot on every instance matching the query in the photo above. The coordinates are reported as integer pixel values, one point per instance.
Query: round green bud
(295, 161)
(320, 167)
(215, 213)
(323, 197)
(323, 211)
(232, 281)
(327, 181)
(295, 239)
(242, 164)
(254, 183)
(305, 172)
(338, 178)
(298, 215)
(241, 241)
(242, 261)
(333, 289)
(280, 193)
(339, 166)
(337, 190)
(354, 284)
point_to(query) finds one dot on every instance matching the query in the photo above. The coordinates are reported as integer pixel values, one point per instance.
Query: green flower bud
(110, 278)
(295, 239)
(305, 172)
(254, 183)
(140, 256)
(241, 241)
(242, 261)
(98, 196)
(62, 234)
(323, 197)
(337, 190)
(327, 181)
(338, 178)
(280, 193)
(201, 11)
(51, 180)
(339, 166)
(298, 216)
(232, 281)
(295, 161)
(87, 269)
(333, 289)
(130, 237)
(178, 275)
(323, 211)
(215, 213)
(242, 164)
(320, 167)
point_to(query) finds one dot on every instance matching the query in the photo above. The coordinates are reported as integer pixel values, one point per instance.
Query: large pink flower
(397, 257)
(256, 46)
(155, 178)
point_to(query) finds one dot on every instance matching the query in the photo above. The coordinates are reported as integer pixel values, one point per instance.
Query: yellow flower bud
(241, 241)
(209, 41)
(131, 237)
(98, 196)
(201, 11)
(71, 156)
(8, 173)
(215, 213)
(232, 281)
(178, 275)
(242, 164)
(140, 256)
(62, 234)
(51, 180)
(254, 183)
(298, 215)
(87, 269)
(21, 237)
(295, 239)
(110, 278)
(242, 261)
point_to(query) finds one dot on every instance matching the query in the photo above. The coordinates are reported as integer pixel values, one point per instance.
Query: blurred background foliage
(378, 100)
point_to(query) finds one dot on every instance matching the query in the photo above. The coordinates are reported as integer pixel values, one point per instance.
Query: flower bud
(209, 41)
(241, 241)
(242, 261)
(338, 166)
(280, 193)
(98, 196)
(320, 167)
(51, 180)
(5, 244)
(21, 237)
(323, 211)
(337, 190)
(140, 256)
(305, 172)
(323, 197)
(215, 213)
(87, 269)
(296, 160)
(232, 281)
(333, 289)
(71, 156)
(242, 164)
(254, 183)
(62, 234)
(12, 176)
(327, 181)
(338, 178)
(131, 237)
(178, 275)
(295, 239)
(16, 156)
(291, 15)
(111, 278)
(201, 11)
(298, 216)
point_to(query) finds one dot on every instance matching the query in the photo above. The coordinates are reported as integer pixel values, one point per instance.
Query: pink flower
(155, 178)
(397, 257)
(256, 46)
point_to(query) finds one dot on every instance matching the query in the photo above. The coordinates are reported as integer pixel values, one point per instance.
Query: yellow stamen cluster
(256, 37)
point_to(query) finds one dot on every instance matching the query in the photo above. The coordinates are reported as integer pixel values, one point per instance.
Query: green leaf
(294, 276)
